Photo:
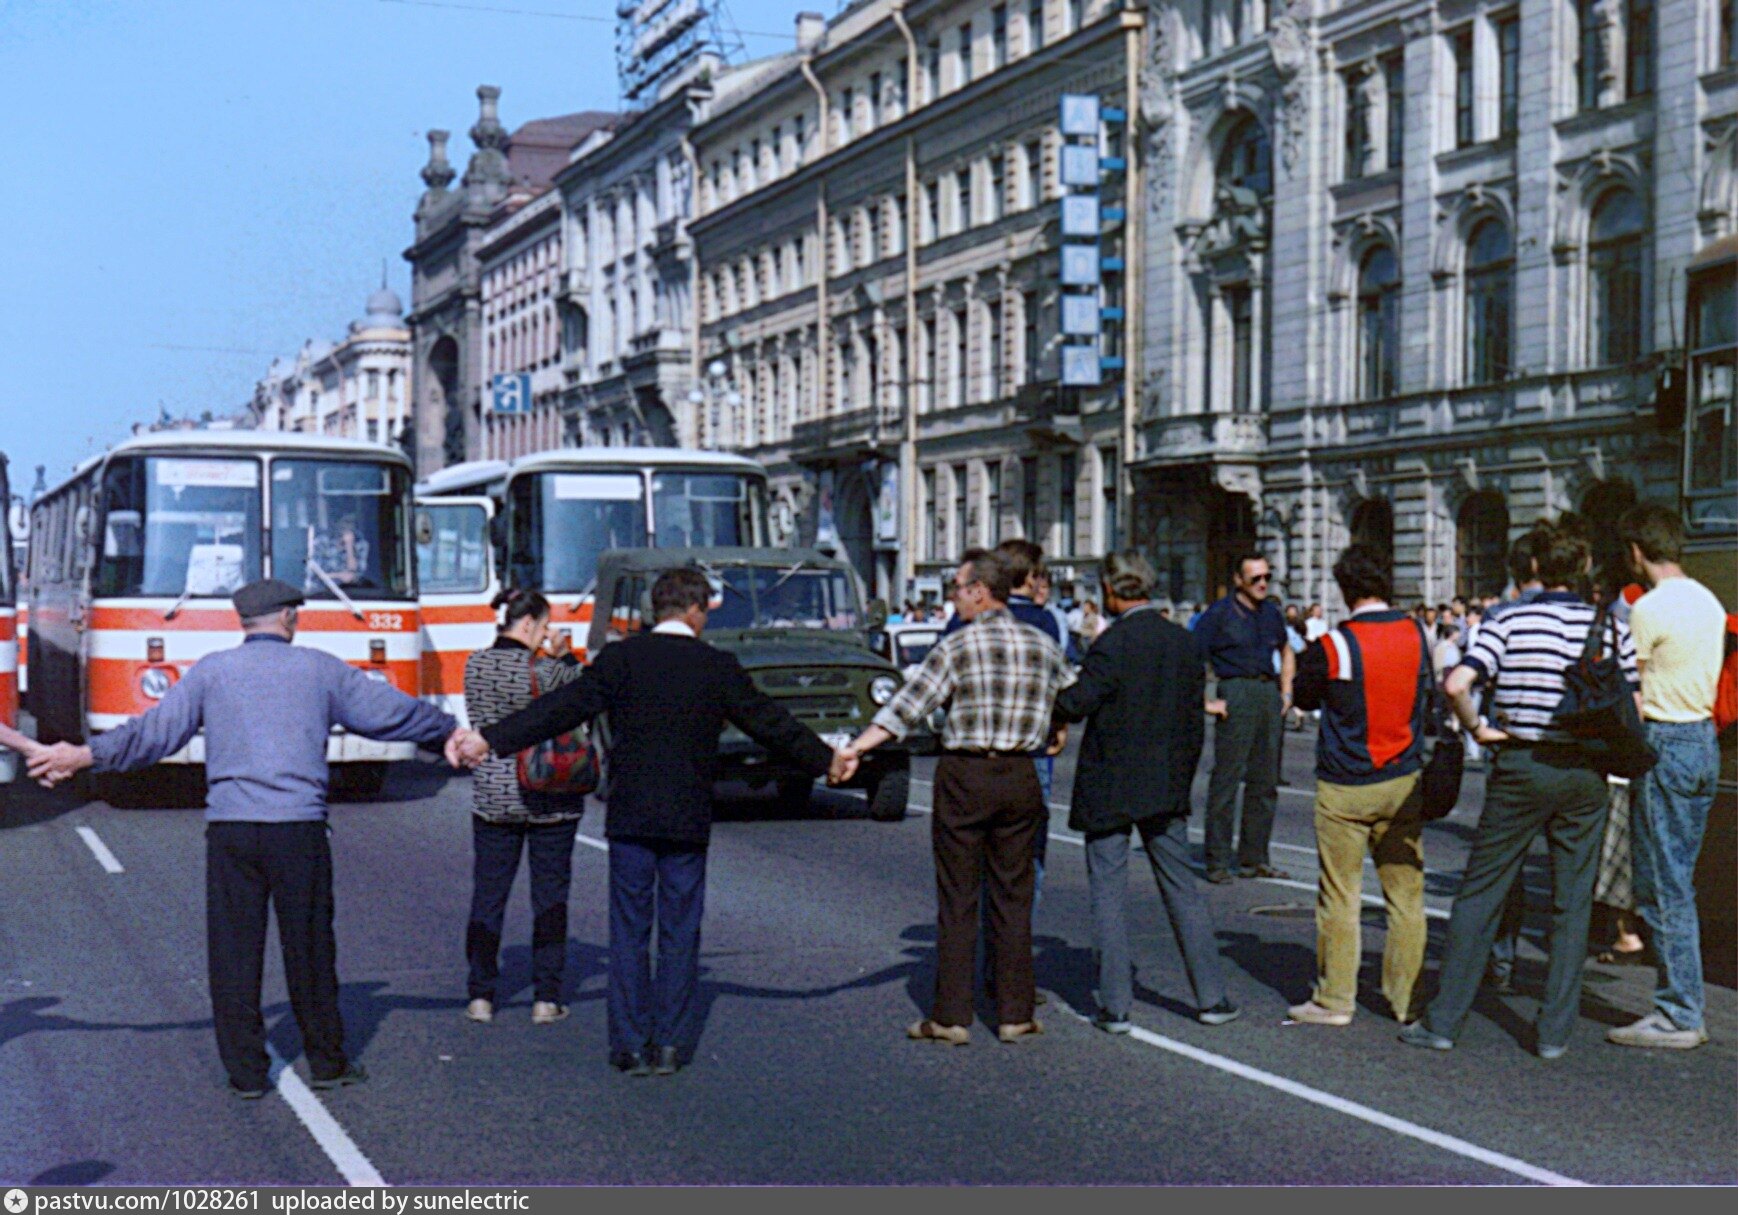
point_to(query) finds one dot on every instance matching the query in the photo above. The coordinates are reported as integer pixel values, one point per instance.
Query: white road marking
(340, 1149)
(100, 850)
(1388, 1122)
(600, 845)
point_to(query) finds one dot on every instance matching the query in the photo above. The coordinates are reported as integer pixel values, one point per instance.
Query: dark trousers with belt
(667, 880)
(497, 848)
(1531, 790)
(1245, 755)
(289, 866)
(986, 812)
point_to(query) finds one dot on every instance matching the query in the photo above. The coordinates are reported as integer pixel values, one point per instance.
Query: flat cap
(266, 596)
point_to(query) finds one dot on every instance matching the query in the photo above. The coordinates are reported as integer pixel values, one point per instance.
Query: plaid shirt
(999, 679)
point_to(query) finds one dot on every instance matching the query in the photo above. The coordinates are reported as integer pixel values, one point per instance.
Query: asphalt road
(818, 950)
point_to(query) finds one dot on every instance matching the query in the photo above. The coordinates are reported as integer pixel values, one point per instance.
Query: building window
(1728, 33)
(932, 65)
(964, 73)
(1035, 173)
(799, 138)
(1239, 306)
(993, 355)
(1490, 289)
(932, 210)
(1394, 106)
(993, 503)
(1614, 295)
(847, 111)
(962, 188)
(1639, 49)
(1378, 325)
(931, 518)
(960, 540)
(998, 37)
(1029, 497)
(1034, 25)
(1357, 125)
(1509, 76)
(1068, 472)
(1108, 489)
(1481, 545)
(961, 362)
(1076, 15)
(1464, 102)
(896, 224)
(1032, 350)
(1590, 59)
(874, 100)
(998, 186)
(931, 353)
(1247, 161)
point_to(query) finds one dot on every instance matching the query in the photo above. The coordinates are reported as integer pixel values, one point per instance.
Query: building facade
(1414, 274)
(458, 232)
(876, 240)
(356, 388)
(519, 269)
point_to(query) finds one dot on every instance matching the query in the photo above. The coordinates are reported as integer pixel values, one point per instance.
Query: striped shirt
(1524, 652)
(999, 680)
(498, 683)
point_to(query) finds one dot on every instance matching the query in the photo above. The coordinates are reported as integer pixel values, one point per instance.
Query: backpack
(1726, 691)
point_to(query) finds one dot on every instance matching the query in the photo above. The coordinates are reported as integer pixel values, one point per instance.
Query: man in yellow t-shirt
(1679, 629)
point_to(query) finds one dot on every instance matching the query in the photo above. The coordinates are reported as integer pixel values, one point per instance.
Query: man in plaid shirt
(999, 680)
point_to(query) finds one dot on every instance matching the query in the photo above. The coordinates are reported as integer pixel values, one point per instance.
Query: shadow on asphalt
(76, 1172)
(30, 1015)
(24, 803)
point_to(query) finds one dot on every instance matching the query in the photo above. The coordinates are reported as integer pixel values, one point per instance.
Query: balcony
(1048, 412)
(1199, 438)
(854, 432)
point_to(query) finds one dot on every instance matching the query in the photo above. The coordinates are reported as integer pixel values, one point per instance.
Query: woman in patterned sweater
(508, 820)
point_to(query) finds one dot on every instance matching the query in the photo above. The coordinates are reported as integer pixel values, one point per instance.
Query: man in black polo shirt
(1242, 637)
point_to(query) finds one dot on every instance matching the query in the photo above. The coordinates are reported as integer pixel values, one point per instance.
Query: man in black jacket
(668, 695)
(1140, 693)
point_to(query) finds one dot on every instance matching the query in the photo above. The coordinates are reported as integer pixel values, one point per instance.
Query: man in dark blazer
(1140, 693)
(668, 695)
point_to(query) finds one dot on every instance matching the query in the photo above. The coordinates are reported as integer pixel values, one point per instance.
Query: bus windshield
(343, 518)
(452, 549)
(174, 526)
(794, 597)
(704, 509)
(561, 521)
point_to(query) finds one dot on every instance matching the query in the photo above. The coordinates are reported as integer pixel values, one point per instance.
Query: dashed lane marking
(100, 850)
(600, 845)
(334, 1140)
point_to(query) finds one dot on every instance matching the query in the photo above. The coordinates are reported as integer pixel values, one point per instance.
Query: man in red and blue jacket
(1371, 679)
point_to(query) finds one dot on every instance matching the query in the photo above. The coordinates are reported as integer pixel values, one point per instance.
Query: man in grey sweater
(267, 708)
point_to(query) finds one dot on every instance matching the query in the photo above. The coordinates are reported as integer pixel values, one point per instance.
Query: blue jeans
(1666, 839)
(648, 875)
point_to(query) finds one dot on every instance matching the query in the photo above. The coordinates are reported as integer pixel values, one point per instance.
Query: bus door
(457, 584)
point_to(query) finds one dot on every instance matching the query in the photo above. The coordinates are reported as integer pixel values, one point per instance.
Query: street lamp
(712, 391)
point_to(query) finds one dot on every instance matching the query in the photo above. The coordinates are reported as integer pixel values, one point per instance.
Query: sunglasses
(1260, 578)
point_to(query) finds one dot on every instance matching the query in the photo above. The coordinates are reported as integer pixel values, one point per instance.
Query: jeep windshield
(788, 597)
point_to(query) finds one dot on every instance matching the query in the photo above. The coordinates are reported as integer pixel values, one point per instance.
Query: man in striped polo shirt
(1541, 781)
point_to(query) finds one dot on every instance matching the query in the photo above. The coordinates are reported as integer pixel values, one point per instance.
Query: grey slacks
(1166, 841)
(1246, 756)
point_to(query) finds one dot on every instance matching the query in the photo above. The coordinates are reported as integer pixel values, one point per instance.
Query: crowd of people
(1144, 688)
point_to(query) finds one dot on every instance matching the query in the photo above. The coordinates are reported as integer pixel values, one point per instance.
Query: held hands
(844, 766)
(466, 749)
(1218, 708)
(1058, 741)
(50, 766)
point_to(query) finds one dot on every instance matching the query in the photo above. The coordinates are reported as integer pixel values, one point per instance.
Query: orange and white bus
(133, 560)
(539, 522)
(8, 634)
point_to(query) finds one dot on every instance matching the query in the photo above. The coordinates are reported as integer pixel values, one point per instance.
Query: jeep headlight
(155, 683)
(882, 688)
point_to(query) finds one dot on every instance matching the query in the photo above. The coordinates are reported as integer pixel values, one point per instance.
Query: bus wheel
(357, 782)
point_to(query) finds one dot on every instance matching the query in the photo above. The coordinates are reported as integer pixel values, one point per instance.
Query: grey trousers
(1245, 754)
(1531, 790)
(1167, 846)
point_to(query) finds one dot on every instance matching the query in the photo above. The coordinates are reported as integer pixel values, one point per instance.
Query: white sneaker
(480, 1011)
(547, 1012)
(1657, 1030)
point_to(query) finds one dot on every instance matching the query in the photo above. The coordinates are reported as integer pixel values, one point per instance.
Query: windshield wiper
(590, 589)
(175, 609)
(789, 574)
(333, 586)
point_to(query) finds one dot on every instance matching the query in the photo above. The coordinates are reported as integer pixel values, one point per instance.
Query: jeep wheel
(888, 796)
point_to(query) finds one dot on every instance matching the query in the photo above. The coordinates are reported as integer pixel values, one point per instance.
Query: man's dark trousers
(1246, 753)
(986, 812)
(289, 865)
(1530, 789)
(549, 848)
(648, 875)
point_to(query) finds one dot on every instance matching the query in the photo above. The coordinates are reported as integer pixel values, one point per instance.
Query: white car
(911, 643)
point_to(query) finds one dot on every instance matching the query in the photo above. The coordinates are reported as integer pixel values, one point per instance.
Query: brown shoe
(1311, 1013)
(928, 1031)
(1025, 1029)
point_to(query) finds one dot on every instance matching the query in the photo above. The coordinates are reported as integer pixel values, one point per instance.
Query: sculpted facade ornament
(1289, 42)
(1158, 105)
(1609, 20)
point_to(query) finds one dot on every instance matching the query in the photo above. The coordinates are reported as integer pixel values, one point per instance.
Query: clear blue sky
(228, 175)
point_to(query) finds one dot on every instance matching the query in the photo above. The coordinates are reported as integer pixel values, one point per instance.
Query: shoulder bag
(1444, 748)
(565, 766)
(1598, 707)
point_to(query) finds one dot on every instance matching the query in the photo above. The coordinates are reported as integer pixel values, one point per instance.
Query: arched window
(1490, 293)
(1614, 287)
(1246, 160)
(1481, 545)
(1378, 325)
(1373, 524)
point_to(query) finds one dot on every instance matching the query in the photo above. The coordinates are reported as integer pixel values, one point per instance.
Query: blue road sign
(510, 393)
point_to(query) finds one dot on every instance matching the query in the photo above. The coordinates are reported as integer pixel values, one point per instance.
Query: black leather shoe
(354, 1074)
(669, 1062)
(248, 1092)
(633, 1062)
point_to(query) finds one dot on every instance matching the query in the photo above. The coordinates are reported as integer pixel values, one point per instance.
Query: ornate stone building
(1414, 269)
(519, 269)
(877, 237)
(356, 388)
(458, 233)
